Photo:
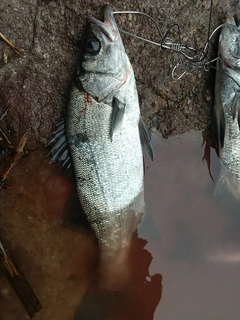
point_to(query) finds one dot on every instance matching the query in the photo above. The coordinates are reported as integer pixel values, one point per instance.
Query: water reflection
(182, 264)
(200, 240)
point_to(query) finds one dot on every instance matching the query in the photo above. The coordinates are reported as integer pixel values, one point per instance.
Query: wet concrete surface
(34, 88)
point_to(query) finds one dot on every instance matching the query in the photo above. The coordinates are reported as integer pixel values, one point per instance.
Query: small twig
(22, 143)
(19, 283)
(16, 157)
(11, 45)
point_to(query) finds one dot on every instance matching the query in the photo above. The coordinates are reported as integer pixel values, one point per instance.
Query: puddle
(198, 253)
(183, 264)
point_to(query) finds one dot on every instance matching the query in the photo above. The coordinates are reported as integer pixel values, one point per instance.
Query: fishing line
(200, 58)
(147, 16)
(166, 42)
(197, 60)
(205, 49)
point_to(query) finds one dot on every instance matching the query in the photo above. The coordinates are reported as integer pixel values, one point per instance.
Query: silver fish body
(227, 106)
(105, 134)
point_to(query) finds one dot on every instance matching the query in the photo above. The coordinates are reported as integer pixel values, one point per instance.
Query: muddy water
(183, 263)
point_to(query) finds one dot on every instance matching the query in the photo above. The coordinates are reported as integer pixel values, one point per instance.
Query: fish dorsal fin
(60, 150)
(117, 115)
(145, 137)
(235, 108)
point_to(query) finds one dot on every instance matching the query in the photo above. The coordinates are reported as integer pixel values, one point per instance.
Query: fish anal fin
(145, 137)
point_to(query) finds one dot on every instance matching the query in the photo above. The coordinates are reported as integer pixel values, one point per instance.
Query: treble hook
(166, 42)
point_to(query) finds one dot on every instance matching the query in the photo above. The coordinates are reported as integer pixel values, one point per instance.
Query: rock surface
(34, 88)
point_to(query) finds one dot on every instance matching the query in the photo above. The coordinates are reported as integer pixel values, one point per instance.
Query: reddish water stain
(57, 191)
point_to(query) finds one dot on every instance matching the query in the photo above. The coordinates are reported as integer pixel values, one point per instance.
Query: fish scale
(109, 174)
(230, 153)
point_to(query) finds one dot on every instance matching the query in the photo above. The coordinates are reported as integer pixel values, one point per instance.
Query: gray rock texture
(34, 88)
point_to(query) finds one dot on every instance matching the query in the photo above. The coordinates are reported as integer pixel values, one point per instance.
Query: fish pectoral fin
(117, 115)
(145, 137)
(235, 108)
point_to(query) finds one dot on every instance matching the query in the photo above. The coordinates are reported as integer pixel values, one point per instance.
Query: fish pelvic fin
(146, 137)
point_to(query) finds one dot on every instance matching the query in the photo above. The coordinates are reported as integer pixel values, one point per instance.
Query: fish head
(229, 42)
(104, 65)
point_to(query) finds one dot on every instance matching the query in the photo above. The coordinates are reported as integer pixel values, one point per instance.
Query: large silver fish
(105, 135)
(227, 106)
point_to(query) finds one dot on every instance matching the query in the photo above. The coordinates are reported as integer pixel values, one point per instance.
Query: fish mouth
(108, 26)
(229, 42)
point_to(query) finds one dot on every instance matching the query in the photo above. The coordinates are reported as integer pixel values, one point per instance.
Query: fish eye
(92, 46)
